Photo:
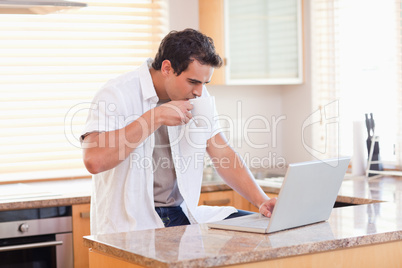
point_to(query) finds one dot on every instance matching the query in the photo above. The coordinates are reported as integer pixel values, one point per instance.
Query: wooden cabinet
(242, 203)
(228, 198)
(80, 228)
(219, 198)
(211, 23)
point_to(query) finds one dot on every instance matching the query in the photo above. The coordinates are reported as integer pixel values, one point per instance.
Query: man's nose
(197, 91)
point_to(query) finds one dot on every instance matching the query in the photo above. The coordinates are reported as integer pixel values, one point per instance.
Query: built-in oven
(36, 238)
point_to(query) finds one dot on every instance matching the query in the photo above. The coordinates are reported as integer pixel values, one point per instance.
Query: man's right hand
(174, 113)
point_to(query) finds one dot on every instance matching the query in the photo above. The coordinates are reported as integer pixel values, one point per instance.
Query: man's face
(188, 84)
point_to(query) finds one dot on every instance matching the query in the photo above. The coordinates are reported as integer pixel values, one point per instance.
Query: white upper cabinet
(262, 40)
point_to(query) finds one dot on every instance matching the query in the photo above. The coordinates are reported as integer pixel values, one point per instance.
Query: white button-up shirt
(122, 197)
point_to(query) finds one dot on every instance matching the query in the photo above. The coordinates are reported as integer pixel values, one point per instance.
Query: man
(137, 143)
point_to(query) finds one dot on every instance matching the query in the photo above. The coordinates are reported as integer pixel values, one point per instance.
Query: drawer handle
(85, 215)
(219, 202)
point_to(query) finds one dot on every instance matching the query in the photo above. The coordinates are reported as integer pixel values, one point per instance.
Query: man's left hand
(267, 207)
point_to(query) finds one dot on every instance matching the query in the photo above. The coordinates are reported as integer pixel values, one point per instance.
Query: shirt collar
(147, 86)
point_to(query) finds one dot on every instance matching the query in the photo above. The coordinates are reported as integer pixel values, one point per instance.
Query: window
(50, 68)
(355, 71)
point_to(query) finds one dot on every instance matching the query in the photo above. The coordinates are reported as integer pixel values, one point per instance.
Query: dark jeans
(174, 216)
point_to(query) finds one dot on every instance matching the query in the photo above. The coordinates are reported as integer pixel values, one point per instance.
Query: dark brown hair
(183, 47)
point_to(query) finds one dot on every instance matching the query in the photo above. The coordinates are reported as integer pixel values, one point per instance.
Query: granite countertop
(45, 194)
(375, 218)
(354, 190)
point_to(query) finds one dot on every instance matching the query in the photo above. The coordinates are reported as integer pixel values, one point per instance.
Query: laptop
(308, 194)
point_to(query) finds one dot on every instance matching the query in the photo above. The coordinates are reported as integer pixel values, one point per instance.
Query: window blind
(50, 68)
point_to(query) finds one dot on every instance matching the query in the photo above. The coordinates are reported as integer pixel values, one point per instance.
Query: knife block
(375, 163)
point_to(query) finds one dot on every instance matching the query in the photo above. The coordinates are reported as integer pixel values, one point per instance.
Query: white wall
(257, 129)
(183, 14)
(281, 138)
(297, 103)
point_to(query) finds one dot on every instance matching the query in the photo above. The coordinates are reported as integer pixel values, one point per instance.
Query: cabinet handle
(219, 202)
(33, 245)
(85, 215)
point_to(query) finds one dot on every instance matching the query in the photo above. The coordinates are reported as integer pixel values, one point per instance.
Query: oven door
(38, 252)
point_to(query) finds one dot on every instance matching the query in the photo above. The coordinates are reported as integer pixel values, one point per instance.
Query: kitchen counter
(354, 190)
(372, 229)
(45, 194)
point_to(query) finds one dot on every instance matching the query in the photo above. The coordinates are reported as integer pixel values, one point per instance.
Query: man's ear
(166, 67)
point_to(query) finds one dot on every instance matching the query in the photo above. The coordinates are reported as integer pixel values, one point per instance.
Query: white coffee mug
(203, 111)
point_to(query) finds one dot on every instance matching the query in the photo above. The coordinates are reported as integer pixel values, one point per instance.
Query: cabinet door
(219, 198)
(261, 41)
(80, 229)
(242, 203)
(211, 23)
